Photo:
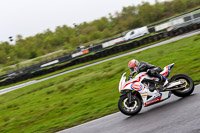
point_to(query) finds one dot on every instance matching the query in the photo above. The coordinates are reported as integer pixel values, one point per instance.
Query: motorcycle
(143, 90)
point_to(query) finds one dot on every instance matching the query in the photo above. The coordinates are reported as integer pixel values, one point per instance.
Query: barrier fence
(170, 27)
(67, 60)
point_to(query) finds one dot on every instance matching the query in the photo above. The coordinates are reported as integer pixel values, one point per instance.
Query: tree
(32, 55)
(3, 57)
(95, 35)
(69, 37)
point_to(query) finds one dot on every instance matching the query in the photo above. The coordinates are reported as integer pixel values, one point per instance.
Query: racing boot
(164, 81)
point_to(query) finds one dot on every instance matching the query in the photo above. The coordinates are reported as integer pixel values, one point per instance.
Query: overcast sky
(29, 17)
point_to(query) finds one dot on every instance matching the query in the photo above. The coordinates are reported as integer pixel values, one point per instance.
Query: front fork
(130, 98)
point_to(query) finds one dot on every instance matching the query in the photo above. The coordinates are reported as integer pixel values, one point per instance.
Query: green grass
(89, 93)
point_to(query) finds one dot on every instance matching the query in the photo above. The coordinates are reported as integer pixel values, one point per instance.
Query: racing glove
(131, 75)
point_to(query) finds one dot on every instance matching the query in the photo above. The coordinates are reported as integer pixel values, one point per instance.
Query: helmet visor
(132, 69)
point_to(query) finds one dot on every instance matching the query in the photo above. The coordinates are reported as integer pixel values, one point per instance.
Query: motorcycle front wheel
(129, 109)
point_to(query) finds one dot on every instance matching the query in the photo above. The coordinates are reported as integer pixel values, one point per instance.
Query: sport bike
(143, 90)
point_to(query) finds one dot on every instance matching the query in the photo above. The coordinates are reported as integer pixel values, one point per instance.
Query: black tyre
(132, 109)
(189, 87)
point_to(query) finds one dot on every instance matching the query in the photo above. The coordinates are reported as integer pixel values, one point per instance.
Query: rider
(152, 71)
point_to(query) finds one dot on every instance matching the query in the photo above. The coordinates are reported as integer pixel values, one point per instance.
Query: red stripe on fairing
(165, 74)
(153, 101)
(135, 81)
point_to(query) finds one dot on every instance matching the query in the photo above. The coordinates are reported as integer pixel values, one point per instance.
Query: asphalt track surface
(3, 91)
(174, 115)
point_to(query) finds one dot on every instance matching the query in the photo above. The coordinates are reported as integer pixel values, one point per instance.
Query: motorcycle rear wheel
(186, 91)
(132, 109)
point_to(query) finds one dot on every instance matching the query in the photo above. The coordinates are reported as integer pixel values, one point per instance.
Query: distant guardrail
(174, 26)
(100, 54)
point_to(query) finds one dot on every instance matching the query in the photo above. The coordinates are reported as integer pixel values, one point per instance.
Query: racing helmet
(133, 65)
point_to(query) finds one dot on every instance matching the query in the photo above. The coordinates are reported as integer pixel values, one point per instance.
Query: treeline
(68, 38)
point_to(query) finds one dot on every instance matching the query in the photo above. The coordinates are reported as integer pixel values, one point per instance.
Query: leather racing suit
(152, 71)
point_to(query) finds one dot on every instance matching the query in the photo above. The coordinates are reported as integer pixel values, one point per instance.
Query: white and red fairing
(136, 85)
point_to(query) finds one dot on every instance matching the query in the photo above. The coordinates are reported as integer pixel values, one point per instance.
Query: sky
(29, 17)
